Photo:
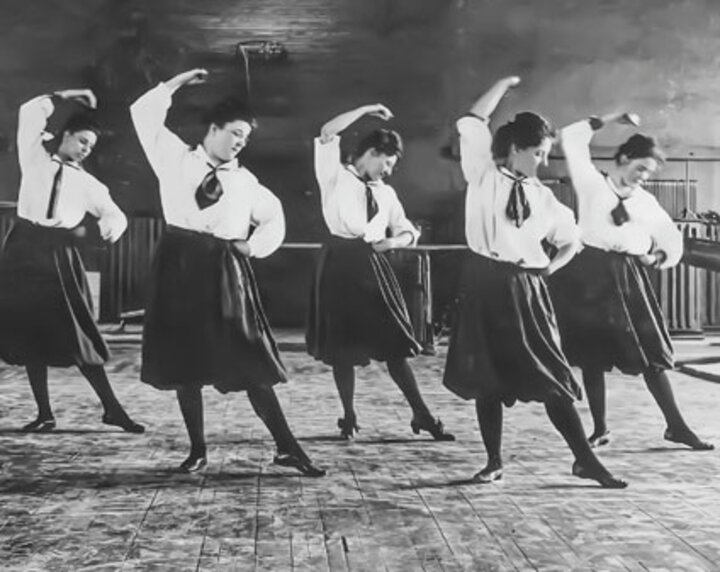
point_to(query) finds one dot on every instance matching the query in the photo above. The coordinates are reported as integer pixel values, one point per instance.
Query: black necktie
(210, 190)
(518, 207)
(370, 203)
(371, 207)
(57, 181)
(619, 213)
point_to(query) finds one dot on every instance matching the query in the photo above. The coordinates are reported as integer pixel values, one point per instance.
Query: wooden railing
(690, 297)
(126, 268)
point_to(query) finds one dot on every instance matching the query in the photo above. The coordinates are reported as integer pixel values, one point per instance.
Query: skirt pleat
(46, 308)
(609, 315)
(357, 310)
(204, 320)
(505, 342)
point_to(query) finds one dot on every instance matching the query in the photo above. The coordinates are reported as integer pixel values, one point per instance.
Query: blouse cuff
(412, 229)
(476, 116)
(596, 123)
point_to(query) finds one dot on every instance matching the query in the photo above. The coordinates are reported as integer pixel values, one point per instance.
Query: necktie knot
(518, 207)
(619, 214)
(210, 189)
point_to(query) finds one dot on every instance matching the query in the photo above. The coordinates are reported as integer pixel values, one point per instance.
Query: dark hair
(82, 121)
(228, 110)
(385, 141)
(640, 146)
(526, 130)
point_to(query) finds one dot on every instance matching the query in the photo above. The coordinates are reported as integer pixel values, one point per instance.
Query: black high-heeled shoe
(488, 475)
(124, 422)
(194, 463)
(599, 440)
(348, 428)
(39, 426)
(433, 426)
(305, 466)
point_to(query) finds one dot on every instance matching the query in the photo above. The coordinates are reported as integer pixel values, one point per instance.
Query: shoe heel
(193, 464)
(434, 427)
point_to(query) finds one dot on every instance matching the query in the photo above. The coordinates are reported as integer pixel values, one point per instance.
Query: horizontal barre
(419, 247)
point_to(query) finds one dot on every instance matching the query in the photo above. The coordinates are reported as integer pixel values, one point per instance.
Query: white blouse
(244, 204)
(344, 200)
(79, 192)
(649, 226)
(488, 229)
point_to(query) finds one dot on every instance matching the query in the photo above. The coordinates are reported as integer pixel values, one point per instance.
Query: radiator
(681, 290)
(671, 194)
(126, 268)
(710, 287)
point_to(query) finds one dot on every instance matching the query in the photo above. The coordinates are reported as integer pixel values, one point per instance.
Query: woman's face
(224, 143)
(77, 146)
(527, 161)
(634, 172)
(376, 166)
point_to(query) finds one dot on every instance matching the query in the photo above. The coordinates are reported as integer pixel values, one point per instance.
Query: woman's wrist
(482, 118)
(596, 123)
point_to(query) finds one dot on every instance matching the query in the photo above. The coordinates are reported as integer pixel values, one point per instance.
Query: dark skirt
(46, 309)
(608, 314)
(204, 321)
(357, 311)
(505, 342)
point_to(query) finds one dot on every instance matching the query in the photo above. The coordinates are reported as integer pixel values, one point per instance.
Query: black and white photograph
(359, 285)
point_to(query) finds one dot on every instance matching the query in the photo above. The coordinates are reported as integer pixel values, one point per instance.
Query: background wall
(425, 59)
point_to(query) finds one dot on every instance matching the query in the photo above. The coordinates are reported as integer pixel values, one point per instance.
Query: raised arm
(340, 123)
(33, 118)
(475, 136)
(162, 147)
(575, 139)
(488, 101)
(327, 159)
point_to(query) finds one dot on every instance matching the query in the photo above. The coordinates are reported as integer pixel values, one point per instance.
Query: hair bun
(639, 146)
(527, 129)
(385, 141)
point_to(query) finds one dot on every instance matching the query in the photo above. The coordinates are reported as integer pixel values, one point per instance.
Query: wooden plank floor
(87, 497)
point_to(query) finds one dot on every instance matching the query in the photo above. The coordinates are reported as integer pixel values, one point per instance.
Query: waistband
(503, 265)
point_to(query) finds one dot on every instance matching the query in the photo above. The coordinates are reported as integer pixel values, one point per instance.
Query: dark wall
(426, 59)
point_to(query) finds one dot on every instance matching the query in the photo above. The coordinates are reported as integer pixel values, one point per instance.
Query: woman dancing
(505, 345)
(607, 310)
(46, 315)
(357, 311)
(205, 323)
